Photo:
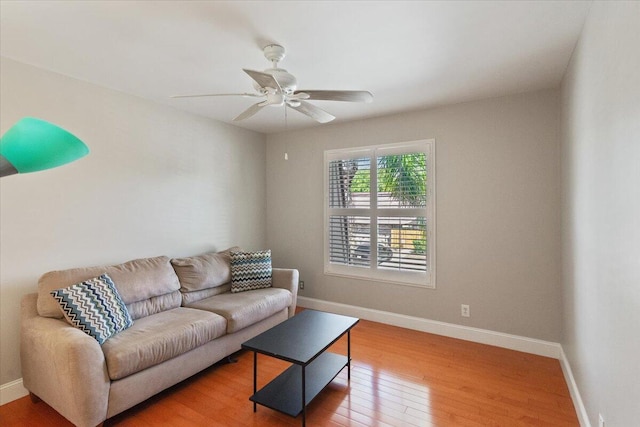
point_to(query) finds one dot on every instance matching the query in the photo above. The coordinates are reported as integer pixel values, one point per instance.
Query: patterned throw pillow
(250, 270)
(95, 307)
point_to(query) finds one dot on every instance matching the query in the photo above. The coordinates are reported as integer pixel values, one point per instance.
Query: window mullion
(401, 212)
(349, 211)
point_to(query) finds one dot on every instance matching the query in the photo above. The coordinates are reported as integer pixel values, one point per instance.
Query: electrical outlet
(301, 284)
(600, 420)
(464, 310)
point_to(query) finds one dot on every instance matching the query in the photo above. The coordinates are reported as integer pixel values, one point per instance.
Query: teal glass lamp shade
(33, 145)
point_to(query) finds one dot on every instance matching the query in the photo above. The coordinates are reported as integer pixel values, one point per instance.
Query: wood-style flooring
(399, 377)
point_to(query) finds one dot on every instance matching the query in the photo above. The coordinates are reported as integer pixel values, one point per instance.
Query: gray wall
(157, 182)
(498, 212)
(601, 213)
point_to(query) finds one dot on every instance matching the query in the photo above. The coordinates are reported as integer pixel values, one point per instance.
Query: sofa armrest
(63, 366)
(287, 278)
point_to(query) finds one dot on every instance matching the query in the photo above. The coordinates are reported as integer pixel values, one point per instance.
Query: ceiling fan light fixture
(275, 99)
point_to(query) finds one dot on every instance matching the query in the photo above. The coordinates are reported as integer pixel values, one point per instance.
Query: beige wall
(157, 181)
(498, 212)
(601, 213)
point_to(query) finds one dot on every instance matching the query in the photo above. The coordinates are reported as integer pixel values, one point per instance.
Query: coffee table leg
(349, 355)
(304, 398)
(255, 376)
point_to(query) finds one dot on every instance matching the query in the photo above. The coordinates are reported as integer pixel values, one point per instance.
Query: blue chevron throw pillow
(95, 307)
(250, 270)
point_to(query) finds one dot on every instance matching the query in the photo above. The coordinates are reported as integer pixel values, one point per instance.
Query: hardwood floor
(399, 377)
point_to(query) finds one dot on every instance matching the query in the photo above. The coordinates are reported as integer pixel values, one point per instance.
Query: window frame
(372, 272)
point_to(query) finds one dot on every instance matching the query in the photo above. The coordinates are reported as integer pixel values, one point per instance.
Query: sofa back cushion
(190, 297)
(146, 286)
(203, 274)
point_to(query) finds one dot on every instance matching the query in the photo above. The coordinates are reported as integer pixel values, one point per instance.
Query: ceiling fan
(278, 88)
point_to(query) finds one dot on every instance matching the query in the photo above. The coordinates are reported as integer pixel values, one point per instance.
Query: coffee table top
(301, 338)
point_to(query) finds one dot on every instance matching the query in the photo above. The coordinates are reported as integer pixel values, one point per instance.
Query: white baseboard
(482, 336)
(12, 391)
(581, 411)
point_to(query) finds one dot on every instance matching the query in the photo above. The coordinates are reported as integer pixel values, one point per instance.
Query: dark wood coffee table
(302, 341)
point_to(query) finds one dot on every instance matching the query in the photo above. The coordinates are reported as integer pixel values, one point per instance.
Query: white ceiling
(410, 55)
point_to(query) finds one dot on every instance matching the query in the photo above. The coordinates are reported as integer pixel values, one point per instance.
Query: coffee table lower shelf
(284, 393)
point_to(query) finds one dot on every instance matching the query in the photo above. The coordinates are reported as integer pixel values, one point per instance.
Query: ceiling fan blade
(263, 79)
(249, 112)
(254, 95)
(338, 95)
(318, 114)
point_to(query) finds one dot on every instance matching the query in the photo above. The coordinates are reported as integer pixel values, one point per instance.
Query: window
(383, 194)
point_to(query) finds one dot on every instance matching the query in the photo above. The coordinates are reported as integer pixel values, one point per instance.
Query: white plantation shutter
(407, 233)
(348, 236)
(347, 232)
(383, 194)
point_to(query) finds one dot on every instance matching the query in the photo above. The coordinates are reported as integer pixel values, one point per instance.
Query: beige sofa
(185, 319)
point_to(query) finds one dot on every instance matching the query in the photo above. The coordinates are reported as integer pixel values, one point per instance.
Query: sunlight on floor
(388, 397)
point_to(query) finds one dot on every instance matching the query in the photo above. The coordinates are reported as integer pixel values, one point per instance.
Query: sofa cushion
(250, 270)
(159, 337)
(191, 297)
(246, 308)
(153, 305)
(94, 307)
(137, 281)
(204, 271)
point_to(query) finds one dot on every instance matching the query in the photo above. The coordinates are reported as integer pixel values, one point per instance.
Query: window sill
(380, 279)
